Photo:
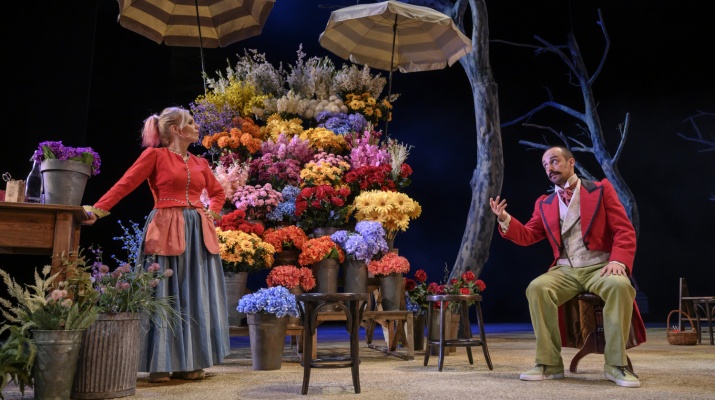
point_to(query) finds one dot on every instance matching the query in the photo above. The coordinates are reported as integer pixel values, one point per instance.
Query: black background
(71, 73)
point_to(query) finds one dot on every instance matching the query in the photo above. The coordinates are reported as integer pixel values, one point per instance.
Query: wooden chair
(397, 325)
(595, 341)
(701, 309)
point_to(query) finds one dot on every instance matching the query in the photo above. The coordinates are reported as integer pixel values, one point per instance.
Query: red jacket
(174, 188)
(604, 226)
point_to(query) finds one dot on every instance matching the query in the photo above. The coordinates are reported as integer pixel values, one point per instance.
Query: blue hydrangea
(367, 241)
(275, 300)
(411, 306)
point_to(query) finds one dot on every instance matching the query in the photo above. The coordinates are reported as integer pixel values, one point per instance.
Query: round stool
(309, 305)
(467, 340)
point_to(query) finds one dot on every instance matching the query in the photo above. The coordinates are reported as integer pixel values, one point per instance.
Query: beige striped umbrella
(395, 36)
(195, 23)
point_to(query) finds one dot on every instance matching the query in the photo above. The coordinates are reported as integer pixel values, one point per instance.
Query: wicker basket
(688, 338)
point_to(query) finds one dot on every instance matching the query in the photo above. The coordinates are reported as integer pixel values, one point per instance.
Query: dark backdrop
(73, 74)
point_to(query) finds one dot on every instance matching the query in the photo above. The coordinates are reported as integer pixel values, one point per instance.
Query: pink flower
(168, 272)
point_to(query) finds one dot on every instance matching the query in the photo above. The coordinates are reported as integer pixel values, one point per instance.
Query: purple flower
(56, 150)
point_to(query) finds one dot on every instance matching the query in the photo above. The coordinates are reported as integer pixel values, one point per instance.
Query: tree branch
(543, 105)
(623, 128)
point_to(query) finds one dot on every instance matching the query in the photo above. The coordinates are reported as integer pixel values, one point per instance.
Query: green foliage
(17, 355)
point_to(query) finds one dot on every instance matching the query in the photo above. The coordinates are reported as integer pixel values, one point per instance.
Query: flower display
(284, 238)
(365, 149)
(56, 150)
(323, 139)
(324, 169)
(271, 169)
(244, 139)
(319, 249)
(231, 177)
(390, 263)
(466, 284)
(290, 276)
(322, 206)
(369, 107)
(368, 177)
(244, 252)
(236, 221)
(341, 123)
(274, 300)
(393, 210)
(367, 241)
(416, 291)
(285, 211)
(257, 201)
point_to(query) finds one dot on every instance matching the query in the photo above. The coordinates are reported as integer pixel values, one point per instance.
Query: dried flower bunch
(319, 249)
(390, 263)
(56, 150)
(290, 276)
(274, 300)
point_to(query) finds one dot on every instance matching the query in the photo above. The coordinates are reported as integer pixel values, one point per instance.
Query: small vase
(355, 276)
(286, 257)
(63, 181)
(267, 335)
(391, 291)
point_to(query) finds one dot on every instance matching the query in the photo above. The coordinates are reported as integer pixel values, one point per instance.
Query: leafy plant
(17, 355)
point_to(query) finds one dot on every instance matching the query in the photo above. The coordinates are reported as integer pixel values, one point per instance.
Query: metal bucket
(391, 291)
(326, 278)
(267, 335)
(235, 289)
(55, 363)
(63, 181)
(355, 276)
(109, 358)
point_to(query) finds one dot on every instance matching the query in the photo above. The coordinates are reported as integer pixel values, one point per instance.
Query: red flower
(405, 170)
(464, 290)
(421, 275)
(469, 276)
(480, 284)
(410, 284)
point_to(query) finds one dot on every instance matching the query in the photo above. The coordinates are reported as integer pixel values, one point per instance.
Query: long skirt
(199, 338)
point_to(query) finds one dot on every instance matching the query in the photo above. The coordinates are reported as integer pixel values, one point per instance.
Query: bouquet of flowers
(393, 210)
(244, 252)
(285, 211)
(323, 139)
(365, 149)
(274, 300)
(319, 249)
(367, 241)
(236, 221)
(257, 201)
(272, 170)
(284, 238)
(416, 291)
(321, 206)
(341, 123)
(231, 177)
(56, 150)
(466, 284)
(390, 263)
(368, 177)
(368, 106)
(290, 276)
(324, 169)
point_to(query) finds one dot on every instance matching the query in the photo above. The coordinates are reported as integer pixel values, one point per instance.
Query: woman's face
(191, 130)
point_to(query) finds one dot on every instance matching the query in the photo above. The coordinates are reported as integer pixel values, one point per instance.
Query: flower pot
(286, 257)
(435, 327)
(63, 181)
(267, 337)
(418, 331)
(355, 276)
(453, 330)
(391, 291)
(55, 362)
(235, 288)
(326, 278)
(109, 358)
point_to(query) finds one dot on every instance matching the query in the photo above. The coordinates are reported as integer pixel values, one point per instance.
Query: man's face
(558, 168)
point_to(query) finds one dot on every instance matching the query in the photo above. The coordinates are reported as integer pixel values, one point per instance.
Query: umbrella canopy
(175, 22)
(392, 35)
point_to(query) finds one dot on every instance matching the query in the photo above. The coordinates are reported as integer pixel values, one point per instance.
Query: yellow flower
(393, 210)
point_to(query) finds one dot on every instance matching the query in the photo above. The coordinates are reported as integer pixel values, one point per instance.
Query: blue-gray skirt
(200, 338)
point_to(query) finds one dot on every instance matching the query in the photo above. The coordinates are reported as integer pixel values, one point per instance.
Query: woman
(179, 234)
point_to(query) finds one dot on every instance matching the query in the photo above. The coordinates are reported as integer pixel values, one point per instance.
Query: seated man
(594, 244)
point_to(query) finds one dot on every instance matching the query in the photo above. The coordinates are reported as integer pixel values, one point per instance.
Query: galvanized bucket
(55, 363)
(109, 358)
(267, 335)
(235, 289)
(63, 181)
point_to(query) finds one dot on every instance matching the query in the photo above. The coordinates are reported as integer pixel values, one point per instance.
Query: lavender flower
(56, 150)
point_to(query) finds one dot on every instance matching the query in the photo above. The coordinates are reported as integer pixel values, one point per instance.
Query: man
(594, 244)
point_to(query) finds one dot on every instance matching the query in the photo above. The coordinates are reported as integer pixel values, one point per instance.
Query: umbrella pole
(389, 79)
(201, 46)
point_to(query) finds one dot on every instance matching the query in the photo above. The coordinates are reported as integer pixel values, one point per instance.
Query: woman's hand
(92, 219)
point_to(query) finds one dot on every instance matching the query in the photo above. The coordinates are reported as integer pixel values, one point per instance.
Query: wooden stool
(595, 341)
(467, 341)
(309, 305)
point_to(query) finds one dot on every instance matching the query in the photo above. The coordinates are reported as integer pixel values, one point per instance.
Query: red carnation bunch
(236, 221)
(321, 206)
(290, 276)
(370, 177)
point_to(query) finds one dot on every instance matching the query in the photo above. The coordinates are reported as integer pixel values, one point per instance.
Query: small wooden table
(29, 228)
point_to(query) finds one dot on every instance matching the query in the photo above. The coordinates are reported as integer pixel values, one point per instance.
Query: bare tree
(587, 119)
(488, 174)
(708, 144)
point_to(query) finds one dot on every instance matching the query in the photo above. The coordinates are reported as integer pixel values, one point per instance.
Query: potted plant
(324, 257)
(125, 293)
(53, 314)
(267, 310)
(393, 210)
(65, 171)
(416, 301)
(287, 241)
(390, 269)
(241, 253)
(360, 246)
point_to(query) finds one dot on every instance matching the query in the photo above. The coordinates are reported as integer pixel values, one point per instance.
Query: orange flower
(286, 237)
(319, 249)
